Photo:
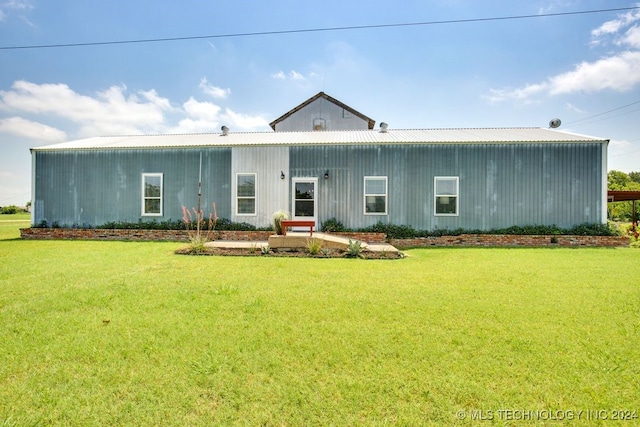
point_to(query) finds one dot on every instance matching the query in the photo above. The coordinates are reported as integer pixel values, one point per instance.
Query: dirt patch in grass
(301, 253)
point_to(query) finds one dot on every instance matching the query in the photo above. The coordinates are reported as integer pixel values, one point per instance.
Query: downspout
(604, 168)
(33, 185)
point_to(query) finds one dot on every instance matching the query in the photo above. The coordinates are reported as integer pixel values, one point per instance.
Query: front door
(304, 203)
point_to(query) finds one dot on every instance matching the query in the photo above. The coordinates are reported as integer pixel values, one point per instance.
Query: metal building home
(326, 160)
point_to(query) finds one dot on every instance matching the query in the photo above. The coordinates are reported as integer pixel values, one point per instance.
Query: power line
(315, 30)
(605, 112)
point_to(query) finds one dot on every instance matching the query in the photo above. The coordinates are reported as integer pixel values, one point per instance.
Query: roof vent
(383, 127)
(225, 131)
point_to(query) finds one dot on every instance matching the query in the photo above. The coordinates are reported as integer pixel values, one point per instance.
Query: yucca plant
(278, 217)
(354, 250)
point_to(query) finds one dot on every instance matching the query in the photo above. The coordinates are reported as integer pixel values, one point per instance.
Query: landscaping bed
(292, 253)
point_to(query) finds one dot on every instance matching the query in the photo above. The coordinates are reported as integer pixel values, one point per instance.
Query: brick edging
(511, 240)
(134, 235)
(463, 240)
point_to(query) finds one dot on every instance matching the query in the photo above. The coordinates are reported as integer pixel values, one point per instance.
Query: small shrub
(354, 250)
(265, 250)
(314, 246)
(228, 225)
(277, 218)
(9, 210)
(332, 225)
(392, 231)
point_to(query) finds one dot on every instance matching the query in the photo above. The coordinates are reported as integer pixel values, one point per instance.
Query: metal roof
(350, 137)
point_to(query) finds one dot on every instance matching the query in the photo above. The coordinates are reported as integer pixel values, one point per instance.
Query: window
(152, 194)
(246, 194)
(375, 195)
(446, 195)
(319, 124)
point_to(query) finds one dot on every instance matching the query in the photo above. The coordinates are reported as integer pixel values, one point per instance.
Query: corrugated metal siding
(89, 188)
(272, 193)
(333, 115)
(500, 185)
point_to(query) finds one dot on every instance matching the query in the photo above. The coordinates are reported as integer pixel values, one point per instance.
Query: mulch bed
(333, 253)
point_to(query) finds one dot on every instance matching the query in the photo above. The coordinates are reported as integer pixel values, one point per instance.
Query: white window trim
(386, 195)
(436, 195)
(255, 194)
(144, 198)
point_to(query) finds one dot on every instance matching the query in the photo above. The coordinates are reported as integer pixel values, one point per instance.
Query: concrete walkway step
(295, 240)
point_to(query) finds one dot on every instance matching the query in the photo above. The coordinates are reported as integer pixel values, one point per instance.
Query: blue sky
(584, 69)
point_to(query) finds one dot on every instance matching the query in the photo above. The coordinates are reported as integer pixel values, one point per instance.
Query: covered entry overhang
(622, 195)
(625, 196)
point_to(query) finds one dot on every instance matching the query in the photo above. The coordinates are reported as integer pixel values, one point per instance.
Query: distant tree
(617, 180)
(634, 176)
(9, 210)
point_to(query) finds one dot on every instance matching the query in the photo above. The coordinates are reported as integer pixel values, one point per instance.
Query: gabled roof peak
(371, 122)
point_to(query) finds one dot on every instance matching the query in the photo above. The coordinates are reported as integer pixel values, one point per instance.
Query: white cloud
(201, 110)
(244, 121)
(291, 75)
(619, 71)
(15, 7)
(294, 75)
(113, 111)
(32, 130)
(110, 112)
(214, 91)
(209, 117)
(632, 37)
(616, 25)
(572, 107)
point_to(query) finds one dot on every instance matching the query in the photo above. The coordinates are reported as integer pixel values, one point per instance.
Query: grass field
(129, 334)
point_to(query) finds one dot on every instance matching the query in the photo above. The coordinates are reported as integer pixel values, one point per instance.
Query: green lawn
(129, 334)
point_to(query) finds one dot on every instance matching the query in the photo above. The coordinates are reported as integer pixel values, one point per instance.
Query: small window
(246, 194)
(446, 195)
(152, 194)
(375, 195)
(319, 124)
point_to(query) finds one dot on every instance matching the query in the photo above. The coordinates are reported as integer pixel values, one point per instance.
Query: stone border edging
(463, 240)
(511, 240)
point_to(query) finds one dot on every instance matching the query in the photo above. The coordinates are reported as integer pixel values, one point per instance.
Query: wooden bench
(297, 223)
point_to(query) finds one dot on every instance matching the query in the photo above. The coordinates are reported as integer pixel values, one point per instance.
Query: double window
(446, 195)
(246, 194)
(152, 194)
(375, 195)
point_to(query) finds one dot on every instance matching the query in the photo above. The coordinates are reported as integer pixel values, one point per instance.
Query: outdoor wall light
(326, 174)
(281, 175)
